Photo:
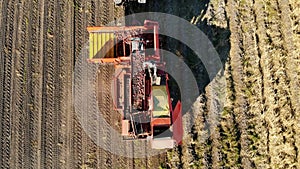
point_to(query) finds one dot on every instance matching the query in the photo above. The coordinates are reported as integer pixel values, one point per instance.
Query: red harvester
(140, 88)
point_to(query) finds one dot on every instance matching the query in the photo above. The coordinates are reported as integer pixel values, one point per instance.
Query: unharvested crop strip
(292, 70)
(253, 83)
(295, 19)
(270, 66)
(264, 63)
(234, 112)
(254, 88)
(281, 139)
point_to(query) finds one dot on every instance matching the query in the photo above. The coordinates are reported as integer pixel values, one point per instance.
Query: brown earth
(258, 42)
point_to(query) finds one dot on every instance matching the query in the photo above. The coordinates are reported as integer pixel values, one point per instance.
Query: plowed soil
(258, 43)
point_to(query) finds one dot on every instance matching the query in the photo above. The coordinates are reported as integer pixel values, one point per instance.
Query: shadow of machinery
(188, 10)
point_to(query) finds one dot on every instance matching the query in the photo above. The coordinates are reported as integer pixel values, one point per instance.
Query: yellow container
(101, 41)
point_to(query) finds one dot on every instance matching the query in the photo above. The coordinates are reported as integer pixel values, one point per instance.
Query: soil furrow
(38, 81)
(107, 116)
(5, 88)
(25, 70)
(67, 69)
(49, 114)
(78, 24)
(58, 86)
(16, 97)
(33, 91)
(42, 41)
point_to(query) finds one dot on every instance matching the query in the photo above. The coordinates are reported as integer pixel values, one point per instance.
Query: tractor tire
(142, 1)
(118, 2)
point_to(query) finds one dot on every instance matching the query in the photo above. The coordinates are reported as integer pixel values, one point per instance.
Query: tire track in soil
(146, 154)
(113, 121)
(33, 86)
(88, 9)
(58, 86)
(17, 137)
(100, 132)
(101, 96)
(49, 114)
(107, 116)
(30, 122)
(5, 75)
(39, 87)
(131, 149)
(78, 40)
(91, 146)
(92, 127)
(26, 70)
(113, 118)
(105, 12)
(66, 77)
(8, 131)
(87, 144)
(26, 46)
(110, 115)
(2, 39)
(92, 118)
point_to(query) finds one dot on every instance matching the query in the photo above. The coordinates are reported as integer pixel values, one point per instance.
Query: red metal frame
(121, 62)
(177, 123)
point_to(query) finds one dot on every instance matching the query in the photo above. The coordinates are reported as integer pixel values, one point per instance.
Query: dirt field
(40, 43)
(258, 42)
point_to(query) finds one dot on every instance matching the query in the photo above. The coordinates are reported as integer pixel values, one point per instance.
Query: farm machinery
(140, 87)
(119, 2)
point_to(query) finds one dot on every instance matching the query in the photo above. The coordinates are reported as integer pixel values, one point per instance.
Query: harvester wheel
(142, 1)
(118, 2)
